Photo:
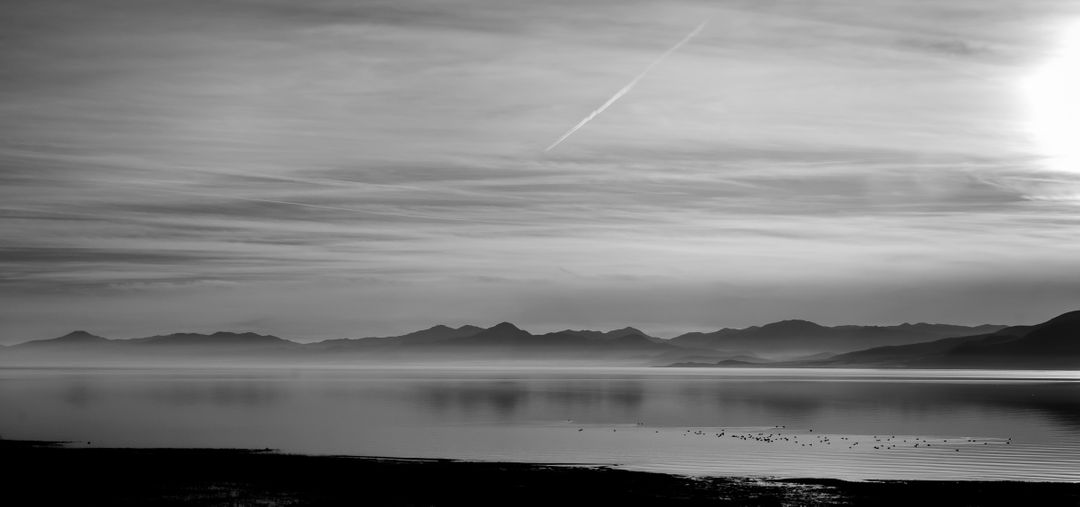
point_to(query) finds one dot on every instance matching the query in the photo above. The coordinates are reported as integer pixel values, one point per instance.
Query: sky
(349, 168)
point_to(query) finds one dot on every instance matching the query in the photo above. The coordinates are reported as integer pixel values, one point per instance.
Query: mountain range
(501, 341)
(1053, 344)
(789, 337)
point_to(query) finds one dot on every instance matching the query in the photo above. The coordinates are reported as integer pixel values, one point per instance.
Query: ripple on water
(700, 451)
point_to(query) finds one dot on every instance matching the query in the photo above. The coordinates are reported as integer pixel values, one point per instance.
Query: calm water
(787, 423)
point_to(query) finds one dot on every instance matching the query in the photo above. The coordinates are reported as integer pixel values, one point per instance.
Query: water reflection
(503, 398)
(695, 400)
(220, 393)
(79, 394)
(530, 400)
(528, 414)
(705, 402)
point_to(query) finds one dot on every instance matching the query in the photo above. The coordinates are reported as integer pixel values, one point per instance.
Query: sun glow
(1053, 97)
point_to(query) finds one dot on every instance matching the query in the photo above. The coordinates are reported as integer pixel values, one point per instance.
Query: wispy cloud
(365, 168)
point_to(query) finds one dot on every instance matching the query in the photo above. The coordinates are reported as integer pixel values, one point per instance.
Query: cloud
(330, 150)
(945, 46)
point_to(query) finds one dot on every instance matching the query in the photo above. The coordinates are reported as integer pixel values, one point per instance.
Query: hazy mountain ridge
(74, 337)
(219, 338)
(805, 337)
(440, 341)
(1052, 344)
(430, 335)
(1027, 345)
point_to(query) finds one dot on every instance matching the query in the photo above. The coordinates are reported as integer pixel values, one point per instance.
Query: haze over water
(1003, 425)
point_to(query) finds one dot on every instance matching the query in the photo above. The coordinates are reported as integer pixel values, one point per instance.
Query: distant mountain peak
(504, 326)
(248, 334)
(79, 336)
(73, 338)
(499, 332)
(436, 333)
(626, 332)
(218, 337)
(793, 325)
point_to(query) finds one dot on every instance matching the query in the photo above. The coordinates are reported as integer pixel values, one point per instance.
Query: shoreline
(49, 472)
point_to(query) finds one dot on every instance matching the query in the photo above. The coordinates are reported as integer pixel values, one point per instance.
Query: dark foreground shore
(44, 473)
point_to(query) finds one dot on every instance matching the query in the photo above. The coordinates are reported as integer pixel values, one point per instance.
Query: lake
(847, 424)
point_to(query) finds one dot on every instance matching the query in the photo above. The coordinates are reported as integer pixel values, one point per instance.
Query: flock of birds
(878, 442)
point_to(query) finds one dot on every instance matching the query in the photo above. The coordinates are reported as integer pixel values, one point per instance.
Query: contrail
(626, 88)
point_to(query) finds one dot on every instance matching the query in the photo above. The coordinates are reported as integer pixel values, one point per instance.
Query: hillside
(1052, 344)
(801, 337)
